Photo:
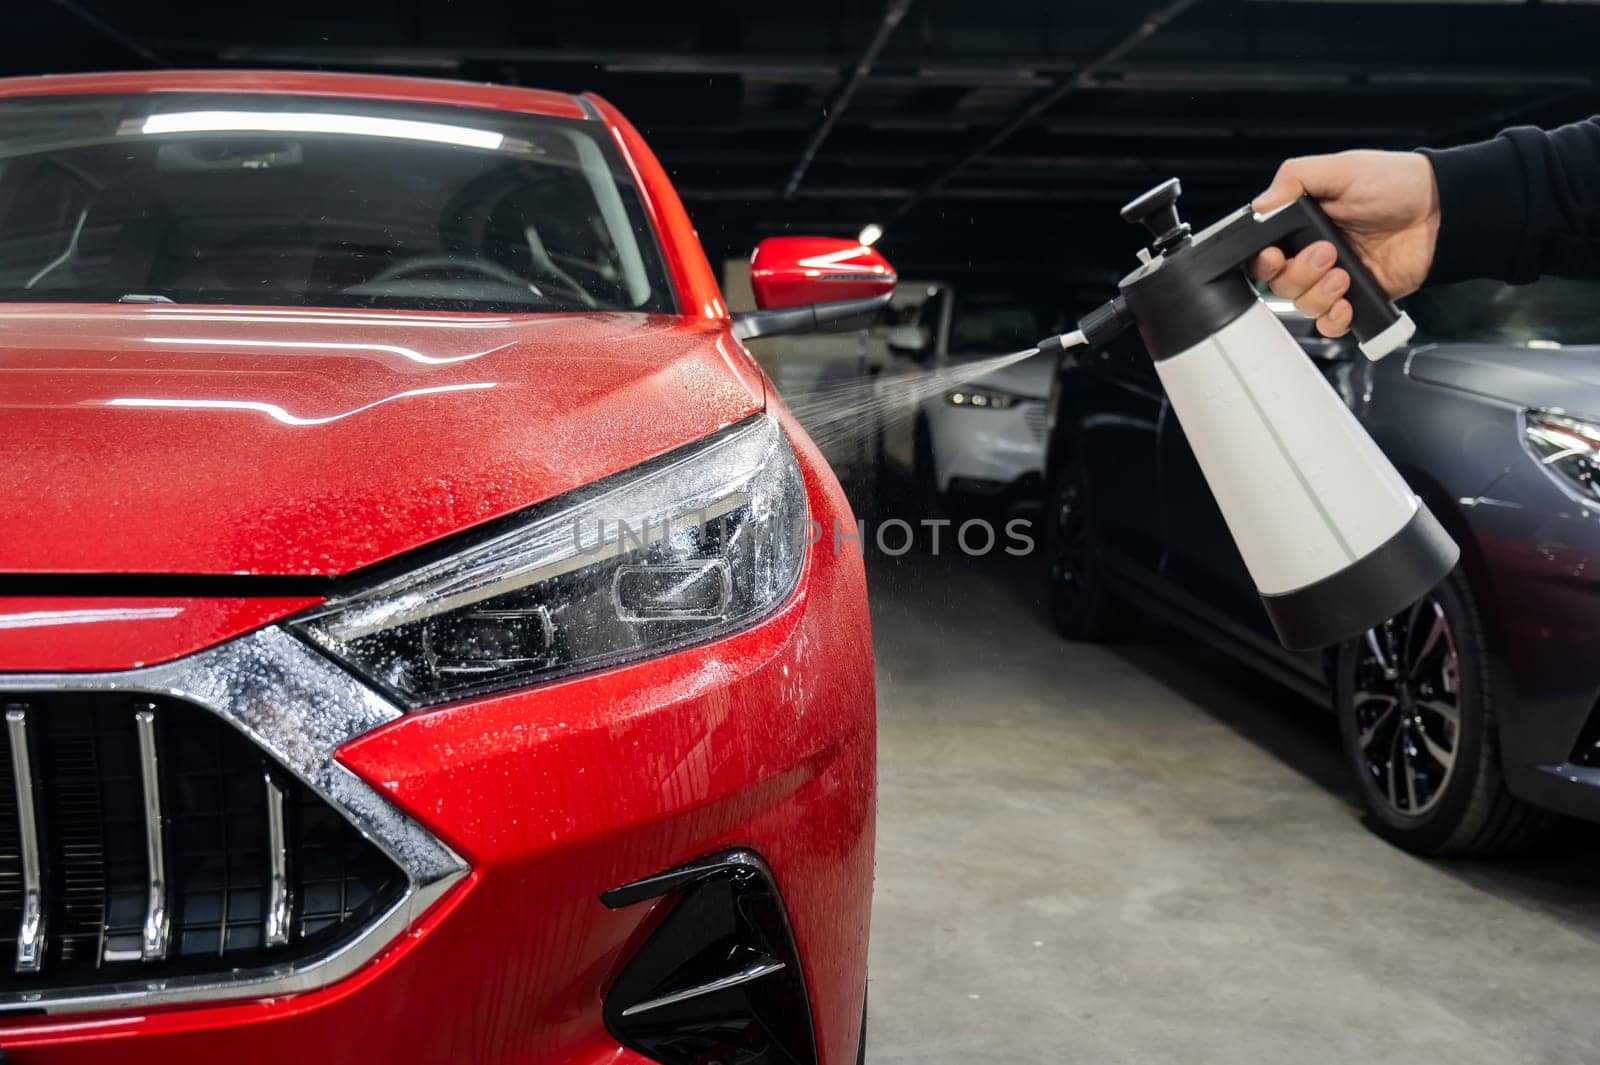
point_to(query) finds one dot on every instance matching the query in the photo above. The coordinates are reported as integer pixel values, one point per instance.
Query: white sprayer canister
(1304, 495)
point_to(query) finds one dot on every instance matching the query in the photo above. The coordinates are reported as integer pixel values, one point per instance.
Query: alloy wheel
(1407, 706)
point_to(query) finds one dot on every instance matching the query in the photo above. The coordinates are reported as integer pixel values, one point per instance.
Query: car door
(1116, 401)
(1202, 559)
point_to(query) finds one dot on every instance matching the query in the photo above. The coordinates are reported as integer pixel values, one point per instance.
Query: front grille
(1033, 414)
(165, 844)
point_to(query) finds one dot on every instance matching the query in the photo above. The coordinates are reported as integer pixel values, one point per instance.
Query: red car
(420, 637)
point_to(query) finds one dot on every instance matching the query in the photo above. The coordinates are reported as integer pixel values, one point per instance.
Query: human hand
(1387, 204)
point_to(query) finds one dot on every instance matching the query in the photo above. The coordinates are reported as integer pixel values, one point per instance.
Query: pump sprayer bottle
(1334, 539)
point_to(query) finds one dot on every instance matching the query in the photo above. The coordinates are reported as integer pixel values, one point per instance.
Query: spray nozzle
(1157, 211)
(1100, 326)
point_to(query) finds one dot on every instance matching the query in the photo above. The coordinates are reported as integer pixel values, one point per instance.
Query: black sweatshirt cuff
(1482, 214)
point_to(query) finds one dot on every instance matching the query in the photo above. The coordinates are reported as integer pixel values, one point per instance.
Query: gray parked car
(1472, 712)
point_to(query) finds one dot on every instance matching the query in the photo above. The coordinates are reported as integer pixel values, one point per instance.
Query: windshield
(1550, 311)
(991, 325)
(285, 200)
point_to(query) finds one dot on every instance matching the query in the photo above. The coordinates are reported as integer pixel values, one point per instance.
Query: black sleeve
(1523, 204)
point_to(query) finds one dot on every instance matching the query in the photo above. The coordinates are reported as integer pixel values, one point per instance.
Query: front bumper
(996, 448)
(1535, 559)
(550, 797)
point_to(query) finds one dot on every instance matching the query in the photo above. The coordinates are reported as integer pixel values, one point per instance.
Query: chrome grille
(168, 845)
(1033, 415)
(10, 851)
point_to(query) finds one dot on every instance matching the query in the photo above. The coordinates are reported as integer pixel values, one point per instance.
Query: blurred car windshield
(267, 199)
(991, 326)
(1548, 311)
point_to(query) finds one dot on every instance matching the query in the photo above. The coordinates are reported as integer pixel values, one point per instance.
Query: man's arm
(1520, 205)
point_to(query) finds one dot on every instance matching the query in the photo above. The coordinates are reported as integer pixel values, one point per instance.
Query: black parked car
(1468, 715)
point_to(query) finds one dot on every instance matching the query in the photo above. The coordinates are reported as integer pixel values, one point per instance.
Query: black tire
(1081, 604)
(1416, 708)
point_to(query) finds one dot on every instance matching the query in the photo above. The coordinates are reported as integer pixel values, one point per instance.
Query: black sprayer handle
(1378, 324)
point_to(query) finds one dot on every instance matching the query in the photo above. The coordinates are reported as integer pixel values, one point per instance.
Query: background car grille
(168, 845)
(1034, 414)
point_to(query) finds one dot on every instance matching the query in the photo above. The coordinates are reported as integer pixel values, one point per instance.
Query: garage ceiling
(998, 136)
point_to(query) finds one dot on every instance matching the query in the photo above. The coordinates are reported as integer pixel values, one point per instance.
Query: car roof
(307, 83)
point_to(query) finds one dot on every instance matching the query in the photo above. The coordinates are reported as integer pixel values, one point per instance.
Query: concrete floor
(1146, 854)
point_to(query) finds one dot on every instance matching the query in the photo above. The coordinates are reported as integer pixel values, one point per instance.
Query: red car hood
(292, 442)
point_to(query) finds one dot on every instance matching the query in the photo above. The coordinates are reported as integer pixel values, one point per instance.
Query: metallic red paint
(765, 739)
(794, 271)
(272, 441)
(58, 634)
(307, 442)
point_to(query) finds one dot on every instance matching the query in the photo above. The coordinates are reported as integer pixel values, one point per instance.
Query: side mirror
(811, 284)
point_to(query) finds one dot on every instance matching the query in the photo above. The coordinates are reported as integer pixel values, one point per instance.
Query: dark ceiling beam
(107, 30)
(807, 67)
(1188, 164)
(1181, 78)
(893, 12)
(1492, 122)
(1494, 3)
(757, 157)
(1212, 130)
(1200, 75)
(815, 69)
(989, 167)
(1041, 103)
(778, 120)
(1204, 129)
(375, 58)
(763, 193)
(752, 194)
(1021, 78)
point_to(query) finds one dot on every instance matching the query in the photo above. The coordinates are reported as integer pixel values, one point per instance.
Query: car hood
(1568, 378)
(1029, 378)
(308, 442)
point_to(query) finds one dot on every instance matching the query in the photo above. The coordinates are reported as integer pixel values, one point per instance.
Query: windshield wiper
(143, 297)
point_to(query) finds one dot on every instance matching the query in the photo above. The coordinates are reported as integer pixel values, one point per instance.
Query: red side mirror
(795, 271)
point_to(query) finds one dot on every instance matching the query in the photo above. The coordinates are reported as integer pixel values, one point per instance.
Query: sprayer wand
(1100, 326)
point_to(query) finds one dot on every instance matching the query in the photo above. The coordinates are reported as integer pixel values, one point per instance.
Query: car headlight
(1568, 449)
(686, 548)
(984, 398)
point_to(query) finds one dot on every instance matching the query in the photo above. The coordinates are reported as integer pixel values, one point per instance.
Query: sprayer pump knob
(1157, 211)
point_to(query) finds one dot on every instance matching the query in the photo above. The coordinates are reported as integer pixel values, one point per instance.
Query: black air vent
(719, 981)
(168, 845)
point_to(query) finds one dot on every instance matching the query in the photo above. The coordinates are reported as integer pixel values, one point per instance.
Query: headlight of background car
(1569, 450)
(679, 551)
(986, 398)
